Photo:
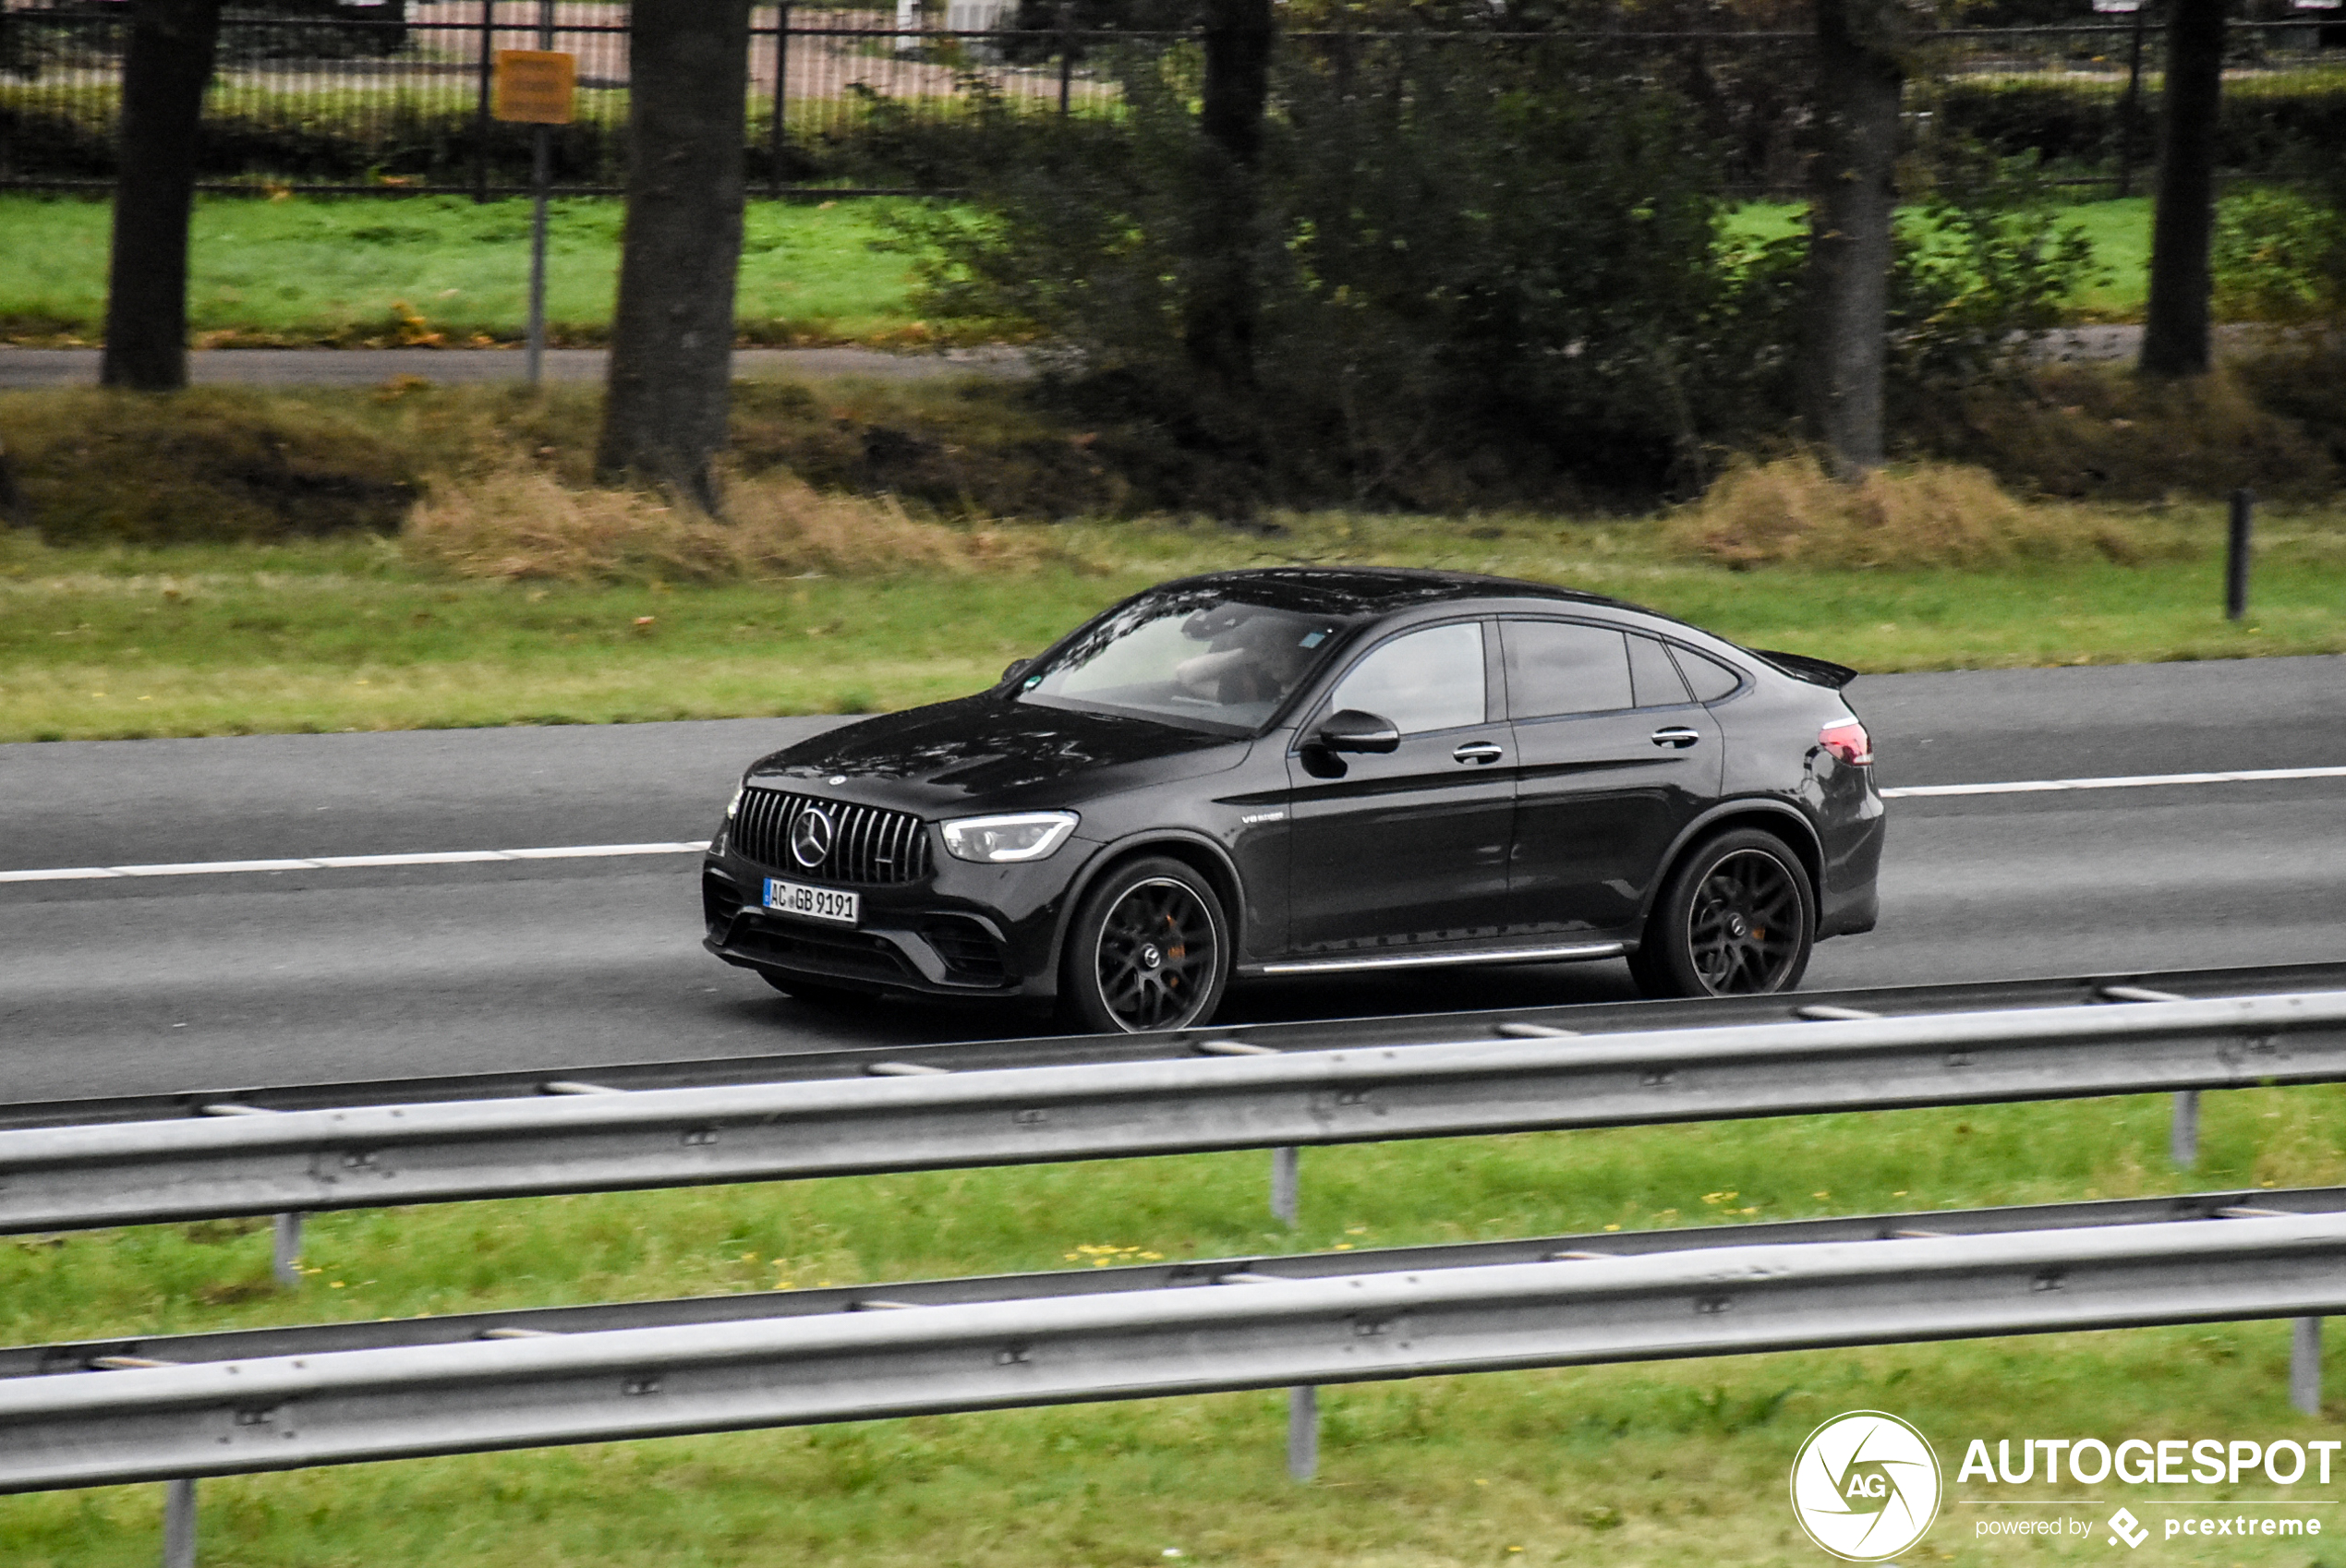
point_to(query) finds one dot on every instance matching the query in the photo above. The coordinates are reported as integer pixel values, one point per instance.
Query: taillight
(1847, 742)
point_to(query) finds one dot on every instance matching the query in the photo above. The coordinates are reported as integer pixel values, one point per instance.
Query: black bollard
(2236, 556)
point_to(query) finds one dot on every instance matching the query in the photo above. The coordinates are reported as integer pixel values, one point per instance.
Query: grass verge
(445, 271)
(1654, 1464)
(440, 271)
(99, 643)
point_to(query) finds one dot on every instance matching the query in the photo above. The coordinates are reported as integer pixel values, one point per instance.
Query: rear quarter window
(1706, 677)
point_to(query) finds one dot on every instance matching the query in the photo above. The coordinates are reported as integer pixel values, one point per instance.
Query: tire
(814, 992)
(1736, 918)
(1149, 949)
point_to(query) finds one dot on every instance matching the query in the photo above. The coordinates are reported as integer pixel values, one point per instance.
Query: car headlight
(995, 840)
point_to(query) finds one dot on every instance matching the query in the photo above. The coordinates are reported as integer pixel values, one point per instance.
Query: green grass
(383, 270)
(2120, 232)
(337, 635)
(380, 271)
(1674, 1463)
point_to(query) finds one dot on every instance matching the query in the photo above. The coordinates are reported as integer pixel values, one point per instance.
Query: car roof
(1374, 590)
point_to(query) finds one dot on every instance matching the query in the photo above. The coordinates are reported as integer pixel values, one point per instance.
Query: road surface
(167, 983)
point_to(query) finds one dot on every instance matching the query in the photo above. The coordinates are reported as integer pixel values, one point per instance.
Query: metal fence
(244, 1160)
(83, 1420)
(394, 98)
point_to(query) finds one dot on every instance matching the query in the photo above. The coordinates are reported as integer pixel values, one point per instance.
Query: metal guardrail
(1065, 1050)
(283, 1412)
(142, 1173)
(313, 1339)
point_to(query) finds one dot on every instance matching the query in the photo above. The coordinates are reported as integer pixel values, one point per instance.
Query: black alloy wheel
(1738, 918)
(1150, 949)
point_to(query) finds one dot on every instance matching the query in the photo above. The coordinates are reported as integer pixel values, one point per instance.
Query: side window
(1555, 667)
(1651, 674)
(1709, 679)
(1429, 680)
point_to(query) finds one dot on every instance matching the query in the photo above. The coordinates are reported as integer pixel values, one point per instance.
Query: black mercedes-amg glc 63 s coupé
(1309, 771)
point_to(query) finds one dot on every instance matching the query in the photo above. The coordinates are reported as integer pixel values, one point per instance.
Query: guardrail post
(1302, 1434)
(2305, 1365)
(2236, 556)
(1286, 1177)
(180, 1522)
(2183, 1138)
(286, 1263)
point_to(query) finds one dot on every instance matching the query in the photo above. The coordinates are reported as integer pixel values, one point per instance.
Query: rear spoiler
(1816, 672)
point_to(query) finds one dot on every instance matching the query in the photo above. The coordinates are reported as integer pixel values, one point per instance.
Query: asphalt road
(161, 985)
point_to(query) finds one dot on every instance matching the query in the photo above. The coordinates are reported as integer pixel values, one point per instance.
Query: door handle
(1677, 735)
(1483, 752)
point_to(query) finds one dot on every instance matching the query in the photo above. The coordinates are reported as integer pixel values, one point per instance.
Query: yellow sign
(536, 87)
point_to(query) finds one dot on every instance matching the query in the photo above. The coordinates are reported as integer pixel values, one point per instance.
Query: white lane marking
(602, 851)
(347, 863)
(2136, 782)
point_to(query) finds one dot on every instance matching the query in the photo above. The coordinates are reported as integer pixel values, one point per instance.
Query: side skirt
(1569, 952)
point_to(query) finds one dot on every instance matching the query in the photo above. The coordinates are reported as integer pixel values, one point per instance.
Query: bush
(2264, 125)
(1481, 271)
(2280, 256)
(1983, 264)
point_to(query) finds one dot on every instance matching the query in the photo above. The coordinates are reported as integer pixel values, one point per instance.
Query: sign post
(538, 87)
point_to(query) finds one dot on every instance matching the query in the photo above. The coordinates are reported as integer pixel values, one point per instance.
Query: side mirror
(1349, 729)
(1015, 669)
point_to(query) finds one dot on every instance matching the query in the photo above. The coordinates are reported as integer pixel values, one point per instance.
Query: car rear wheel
(1150, 949)
(1736, 918)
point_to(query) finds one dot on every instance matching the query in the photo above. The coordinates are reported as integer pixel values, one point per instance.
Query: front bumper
(963, 930)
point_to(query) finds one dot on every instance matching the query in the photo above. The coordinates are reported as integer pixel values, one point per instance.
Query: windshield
(1198, 657)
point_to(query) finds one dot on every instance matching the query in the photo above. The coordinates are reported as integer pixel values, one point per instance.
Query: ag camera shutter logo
(1865, 1486)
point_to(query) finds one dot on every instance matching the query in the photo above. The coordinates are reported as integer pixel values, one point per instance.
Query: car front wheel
(1150, 949)
(1736, 918)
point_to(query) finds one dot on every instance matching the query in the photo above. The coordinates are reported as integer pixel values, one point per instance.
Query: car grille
(867, 844)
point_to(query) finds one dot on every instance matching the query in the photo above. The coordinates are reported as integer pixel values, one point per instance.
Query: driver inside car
(1255, 660)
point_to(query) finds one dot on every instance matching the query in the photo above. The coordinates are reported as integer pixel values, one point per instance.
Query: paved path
(23, 369)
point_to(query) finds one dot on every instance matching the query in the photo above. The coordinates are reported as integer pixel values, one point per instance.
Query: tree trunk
(1854, 197)
(163, 76)
(671, 345)
(1218, 331)
(2176, 333)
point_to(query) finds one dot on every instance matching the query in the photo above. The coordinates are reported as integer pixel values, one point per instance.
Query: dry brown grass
(518, 522)
(1792, 513)
(2275, 424)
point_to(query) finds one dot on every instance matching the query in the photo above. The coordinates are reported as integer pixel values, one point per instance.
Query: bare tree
(163, 76)
(2175, 325)
(1854, 199)
(672, 355)
(1218, 328)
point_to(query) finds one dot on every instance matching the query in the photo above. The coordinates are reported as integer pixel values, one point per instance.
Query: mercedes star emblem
(810, 836)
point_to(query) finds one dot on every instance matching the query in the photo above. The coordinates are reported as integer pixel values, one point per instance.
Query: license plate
(812, 903)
